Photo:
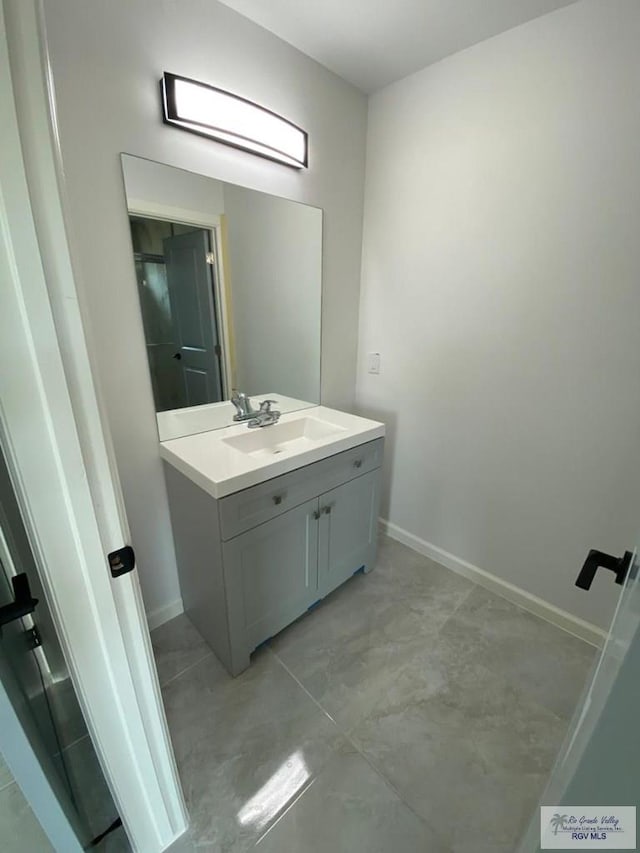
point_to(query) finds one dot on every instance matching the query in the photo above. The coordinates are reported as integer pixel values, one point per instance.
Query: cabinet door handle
(277, 499)
(357, 463)
(316, 514)
(327, 510)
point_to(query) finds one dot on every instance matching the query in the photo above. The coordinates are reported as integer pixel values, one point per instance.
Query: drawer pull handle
(277, 499)
(357, 463)
(327, 510)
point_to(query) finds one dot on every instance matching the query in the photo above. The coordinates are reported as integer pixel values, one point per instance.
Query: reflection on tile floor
(410, 711)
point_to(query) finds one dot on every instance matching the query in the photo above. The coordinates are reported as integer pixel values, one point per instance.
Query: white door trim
(60, 457)
(183, 215)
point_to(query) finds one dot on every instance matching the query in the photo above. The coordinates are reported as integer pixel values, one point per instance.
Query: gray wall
(107, 59)
(501, 283)
(275, 260)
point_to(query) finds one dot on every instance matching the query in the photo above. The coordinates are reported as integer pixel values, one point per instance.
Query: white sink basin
(291, 436)
(224, 461)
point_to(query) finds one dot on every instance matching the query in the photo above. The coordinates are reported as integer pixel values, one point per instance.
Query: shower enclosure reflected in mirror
(229, 282)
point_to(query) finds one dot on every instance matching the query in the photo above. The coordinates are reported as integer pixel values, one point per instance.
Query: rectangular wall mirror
(229, 282)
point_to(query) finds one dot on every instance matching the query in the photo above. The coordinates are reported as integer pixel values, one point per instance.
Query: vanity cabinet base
(243, 584)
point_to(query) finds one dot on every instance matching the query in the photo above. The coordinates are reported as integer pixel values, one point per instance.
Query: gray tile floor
(411, 711)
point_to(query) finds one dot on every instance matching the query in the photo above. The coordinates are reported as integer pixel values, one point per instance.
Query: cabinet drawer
(338, 469)
(246, 509)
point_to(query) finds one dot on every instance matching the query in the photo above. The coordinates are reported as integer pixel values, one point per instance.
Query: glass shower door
(43, 736)
(31, 748)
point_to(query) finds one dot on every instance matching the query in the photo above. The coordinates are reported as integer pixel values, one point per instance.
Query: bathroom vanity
(267, 522)
(268, 517)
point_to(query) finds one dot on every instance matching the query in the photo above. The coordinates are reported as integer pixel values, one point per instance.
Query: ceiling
(372, 43)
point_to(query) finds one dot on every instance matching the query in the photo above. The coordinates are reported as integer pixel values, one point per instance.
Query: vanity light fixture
(228, 118)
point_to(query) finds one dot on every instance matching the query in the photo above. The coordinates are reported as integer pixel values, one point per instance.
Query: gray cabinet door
(348, 528)
(271, 574)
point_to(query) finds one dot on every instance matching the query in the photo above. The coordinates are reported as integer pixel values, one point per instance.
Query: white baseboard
(561, 618)
(158, 617)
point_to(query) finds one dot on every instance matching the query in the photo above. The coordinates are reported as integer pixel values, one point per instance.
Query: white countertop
(175, 423)
(220, 469)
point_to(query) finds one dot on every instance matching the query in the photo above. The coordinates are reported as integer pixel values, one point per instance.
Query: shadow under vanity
(269, 514)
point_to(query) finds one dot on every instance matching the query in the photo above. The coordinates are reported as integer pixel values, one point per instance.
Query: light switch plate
(373, 362)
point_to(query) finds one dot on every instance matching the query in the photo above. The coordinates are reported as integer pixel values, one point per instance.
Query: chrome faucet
(244, 409)
(266, 416)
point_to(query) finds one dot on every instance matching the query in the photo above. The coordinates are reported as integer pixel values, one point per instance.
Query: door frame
(59, 452)
(221, 294)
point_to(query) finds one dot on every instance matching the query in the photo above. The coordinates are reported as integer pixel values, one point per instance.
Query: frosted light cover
(230, 119)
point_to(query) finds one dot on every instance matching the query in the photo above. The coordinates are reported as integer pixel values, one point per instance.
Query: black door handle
(597, 559)
(23, 602)
(177, 356)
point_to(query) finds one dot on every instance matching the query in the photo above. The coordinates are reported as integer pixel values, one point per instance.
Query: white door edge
(60, 458)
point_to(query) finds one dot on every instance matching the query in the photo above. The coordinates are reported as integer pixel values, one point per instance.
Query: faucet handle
(265, 405)
(243, 405)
